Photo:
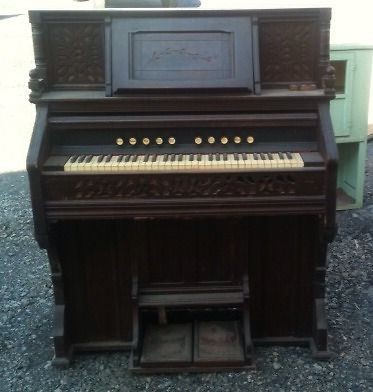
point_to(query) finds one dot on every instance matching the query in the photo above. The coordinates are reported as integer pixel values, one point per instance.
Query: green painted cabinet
(349, 112)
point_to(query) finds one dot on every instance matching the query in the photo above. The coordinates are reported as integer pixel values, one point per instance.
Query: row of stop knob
(197, 140)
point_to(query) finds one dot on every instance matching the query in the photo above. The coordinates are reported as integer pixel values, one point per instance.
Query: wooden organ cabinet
(183, 180)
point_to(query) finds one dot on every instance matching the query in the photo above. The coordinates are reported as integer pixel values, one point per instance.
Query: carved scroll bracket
(37, 82)
(329, 80)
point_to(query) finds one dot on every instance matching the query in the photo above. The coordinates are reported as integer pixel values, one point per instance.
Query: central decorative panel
(180, 56)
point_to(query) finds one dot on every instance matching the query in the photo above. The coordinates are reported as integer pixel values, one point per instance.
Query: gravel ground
(26, 293)
(26, 319)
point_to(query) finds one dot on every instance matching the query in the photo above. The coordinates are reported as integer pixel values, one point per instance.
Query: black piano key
(100, 158)
(210, 157)
(191, 157)
(180, 157)
(244, 156)
(89, 159)
(165, 158)
(146, 158)
(256, 156)
(217, 157)
(199, 157)
(108, 158)
(225, 156)
(127, 158)
(281, 155)
(120, 158)
(81, 158)
(74, 158)
(134, 158)
(288, 155)
(154, 157)
(235, 156)
(263, 156)
(270, 156)
(173, 157)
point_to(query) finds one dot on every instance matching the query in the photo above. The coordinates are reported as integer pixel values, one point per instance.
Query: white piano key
(204, 162)
(76, 165)
(109, 163)
(115, 163)
(92, 166)
(293, 161)
(266, 162)
(141, 164)
(194, 163)
(242, 164)
(184, 162)
(67, 165)
(155, 165)
(134, 163)
(276, 161)
(122, 164)
(101, 165)
(298, 158)
(85, 165)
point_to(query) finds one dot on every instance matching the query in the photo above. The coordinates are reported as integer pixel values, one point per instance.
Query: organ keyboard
(180, 162)
(183, 184)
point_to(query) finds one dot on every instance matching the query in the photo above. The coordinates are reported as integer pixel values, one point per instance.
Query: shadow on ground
(7, 16)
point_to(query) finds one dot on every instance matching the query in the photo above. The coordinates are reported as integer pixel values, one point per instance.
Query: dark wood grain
(293, 46)
(214, 251)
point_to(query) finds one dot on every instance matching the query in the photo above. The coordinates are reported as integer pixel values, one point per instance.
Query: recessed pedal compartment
(196, 329)
(196, 346)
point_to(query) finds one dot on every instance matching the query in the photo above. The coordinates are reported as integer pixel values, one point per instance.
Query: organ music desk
(182, 171)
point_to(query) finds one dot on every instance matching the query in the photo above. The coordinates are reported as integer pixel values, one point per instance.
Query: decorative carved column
(327, 72)
(37, 82)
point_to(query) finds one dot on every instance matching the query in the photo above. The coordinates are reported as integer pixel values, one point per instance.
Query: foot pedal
(202, 346)
(218, 342)
(167, 344)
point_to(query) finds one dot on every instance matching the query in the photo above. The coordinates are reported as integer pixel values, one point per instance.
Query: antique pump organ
(182, 171)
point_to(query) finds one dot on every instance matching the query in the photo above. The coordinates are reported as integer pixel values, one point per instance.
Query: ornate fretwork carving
(187, 186)
(77, 51)
(180, 186)
(287, 52)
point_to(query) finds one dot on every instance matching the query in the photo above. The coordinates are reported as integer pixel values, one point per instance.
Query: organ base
(123, 276)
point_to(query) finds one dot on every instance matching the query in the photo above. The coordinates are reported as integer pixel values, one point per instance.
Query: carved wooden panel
(180, 186)
(288, 52)
(168, 52)
(76, 53)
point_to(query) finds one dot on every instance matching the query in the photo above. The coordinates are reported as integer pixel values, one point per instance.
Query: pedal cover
(218, 341)
(171, 343)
